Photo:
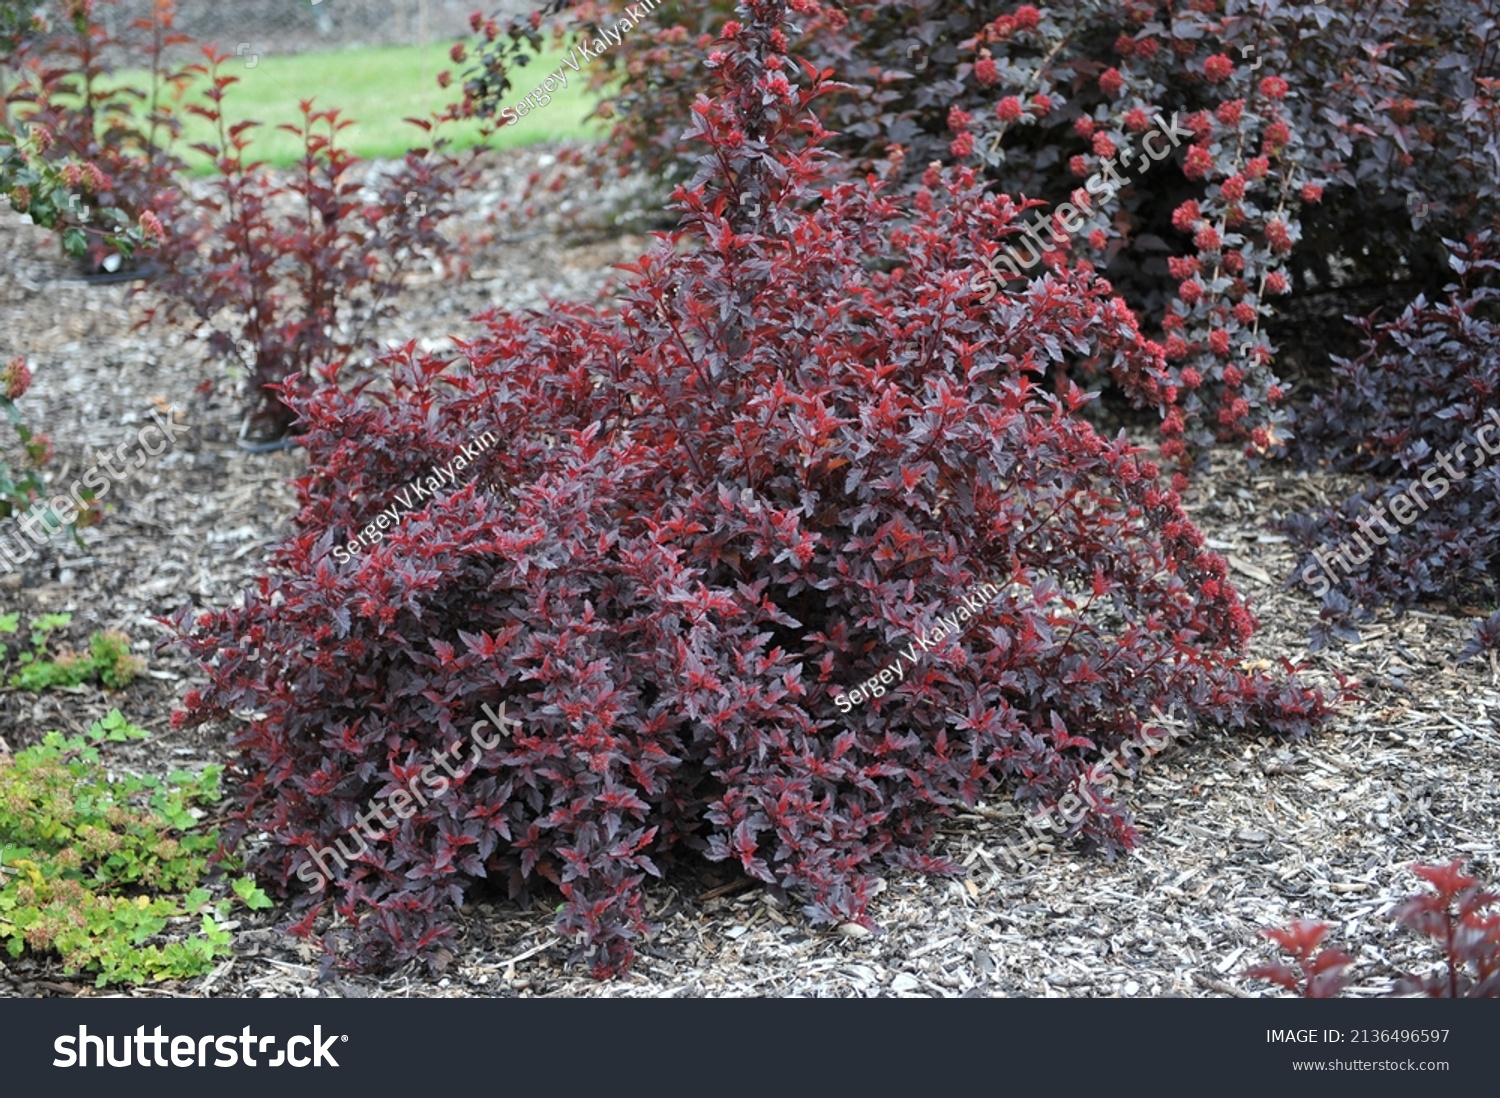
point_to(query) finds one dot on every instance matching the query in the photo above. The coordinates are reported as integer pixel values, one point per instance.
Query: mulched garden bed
(1237, 833)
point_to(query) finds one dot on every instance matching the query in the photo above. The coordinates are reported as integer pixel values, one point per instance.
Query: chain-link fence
(286, 26)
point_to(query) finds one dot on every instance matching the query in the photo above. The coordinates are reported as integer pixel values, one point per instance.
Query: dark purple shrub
(1419, 409)
(289, 270)
(719, 506)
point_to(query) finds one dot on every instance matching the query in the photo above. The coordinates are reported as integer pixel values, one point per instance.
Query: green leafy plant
(21, 485)
(84, 151)
(18, 22)
(59, 194)
(112, 660)
(109, 872)
(108, 657)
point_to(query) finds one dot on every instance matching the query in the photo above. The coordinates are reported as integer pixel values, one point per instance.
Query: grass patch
(376, 87)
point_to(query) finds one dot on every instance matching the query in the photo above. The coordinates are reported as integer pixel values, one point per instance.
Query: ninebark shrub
(1333, 145)
(1420, 410)
(799, 437)
(282, 273)
(286, 273)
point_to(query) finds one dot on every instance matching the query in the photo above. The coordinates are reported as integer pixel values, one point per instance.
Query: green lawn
(376, 87)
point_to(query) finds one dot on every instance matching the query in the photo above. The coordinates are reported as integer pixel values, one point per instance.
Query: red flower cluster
(1186, 217)
(15, 378)
(1218, 68)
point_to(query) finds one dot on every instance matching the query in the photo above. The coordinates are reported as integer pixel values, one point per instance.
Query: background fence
(286, 26)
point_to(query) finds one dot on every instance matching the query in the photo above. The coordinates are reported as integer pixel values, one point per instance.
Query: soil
(1238, 833)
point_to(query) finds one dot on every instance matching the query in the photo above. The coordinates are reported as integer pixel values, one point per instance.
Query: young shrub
(1454, 916)
(288, 270)
(1430, 528)
(721, 506)
(1313, 975)
(107, 871)
(285, 271)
